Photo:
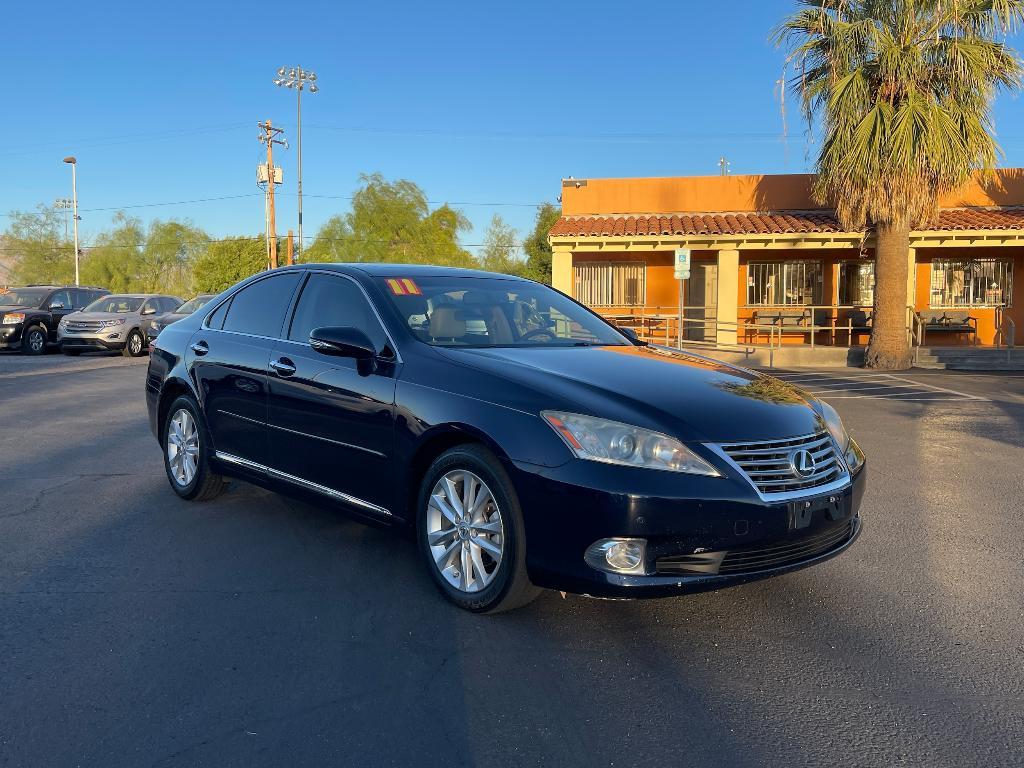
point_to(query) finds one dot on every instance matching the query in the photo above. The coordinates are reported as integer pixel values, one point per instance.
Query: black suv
(29, 316)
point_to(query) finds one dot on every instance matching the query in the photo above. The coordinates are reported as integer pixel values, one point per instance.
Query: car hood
(690, 396)
(101, 316)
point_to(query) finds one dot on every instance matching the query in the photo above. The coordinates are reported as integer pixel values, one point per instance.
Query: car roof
(376, 269)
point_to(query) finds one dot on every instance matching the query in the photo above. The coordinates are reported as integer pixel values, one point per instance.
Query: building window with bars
(784, 283)
(971, 283)
(611, 283)
(857, 283)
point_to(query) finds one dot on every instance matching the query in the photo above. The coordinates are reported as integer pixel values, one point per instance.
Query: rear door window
(259, 308)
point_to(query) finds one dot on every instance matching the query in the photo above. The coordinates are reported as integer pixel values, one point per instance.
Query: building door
(701, 309)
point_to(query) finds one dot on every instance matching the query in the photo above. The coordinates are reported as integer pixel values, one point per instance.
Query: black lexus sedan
(526, 441)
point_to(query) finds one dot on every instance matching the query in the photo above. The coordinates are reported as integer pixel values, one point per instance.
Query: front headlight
(111, 323)
(851, 452)
(614, 443)
(13, 318)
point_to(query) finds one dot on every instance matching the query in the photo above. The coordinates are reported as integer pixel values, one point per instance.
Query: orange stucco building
(768, 265)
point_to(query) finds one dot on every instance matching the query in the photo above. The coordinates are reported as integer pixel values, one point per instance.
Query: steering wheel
(538, 332)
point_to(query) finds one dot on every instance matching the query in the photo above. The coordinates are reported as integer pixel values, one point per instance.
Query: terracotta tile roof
(767, 223)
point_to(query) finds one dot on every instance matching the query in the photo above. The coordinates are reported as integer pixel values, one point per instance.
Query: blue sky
(484, 105)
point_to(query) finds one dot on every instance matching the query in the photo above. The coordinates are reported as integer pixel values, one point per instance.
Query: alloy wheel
(183, 447)
(465, 531)
(135, 344)
(36, 341)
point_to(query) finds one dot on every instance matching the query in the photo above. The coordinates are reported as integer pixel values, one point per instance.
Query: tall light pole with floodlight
(298, 78)
(74, 202)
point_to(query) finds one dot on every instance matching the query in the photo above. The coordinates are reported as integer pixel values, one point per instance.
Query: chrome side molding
(301, 482)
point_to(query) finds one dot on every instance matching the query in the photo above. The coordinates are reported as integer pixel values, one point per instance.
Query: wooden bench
(947, 321)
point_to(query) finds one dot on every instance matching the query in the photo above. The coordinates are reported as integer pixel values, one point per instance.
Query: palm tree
(902, 91)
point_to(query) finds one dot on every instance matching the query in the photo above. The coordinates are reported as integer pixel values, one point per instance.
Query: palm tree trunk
(889, 348)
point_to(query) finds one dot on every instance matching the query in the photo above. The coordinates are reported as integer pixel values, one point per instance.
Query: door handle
(283, 366)
(200, 347)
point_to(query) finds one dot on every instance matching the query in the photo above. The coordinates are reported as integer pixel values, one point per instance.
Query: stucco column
(911, 274)
(728, 295)
(561, 269)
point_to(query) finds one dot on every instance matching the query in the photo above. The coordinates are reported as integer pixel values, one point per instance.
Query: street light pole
(297, 78)
(74, 202)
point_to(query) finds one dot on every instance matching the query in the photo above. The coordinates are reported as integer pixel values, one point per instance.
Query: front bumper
(701, 533)
(10, 336)
(111, 340)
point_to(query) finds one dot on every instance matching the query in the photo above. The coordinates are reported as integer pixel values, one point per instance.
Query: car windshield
(24, 297)
(118, 304)
(191, 306)
(492, 312)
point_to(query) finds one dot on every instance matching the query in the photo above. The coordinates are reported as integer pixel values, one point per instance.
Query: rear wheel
(471, 534)
(33, 341)
(134, 345)
(186, 453)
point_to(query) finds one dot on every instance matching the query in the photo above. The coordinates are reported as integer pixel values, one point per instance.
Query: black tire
(205, 484)
(33, 340)
(135, 344)
(510, 585)
(71, 352)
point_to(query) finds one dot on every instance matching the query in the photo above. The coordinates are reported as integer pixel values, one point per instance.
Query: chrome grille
(770, 466)
(84, 325)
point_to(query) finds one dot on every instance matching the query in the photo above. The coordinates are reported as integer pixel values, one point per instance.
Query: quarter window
(784, 283)
(971, 283)
(610, 284)
(331, 301)
(259, 308)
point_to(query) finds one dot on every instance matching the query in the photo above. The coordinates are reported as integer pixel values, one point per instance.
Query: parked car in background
(162, 321)
(525, 440)
(30, 316)
(115, 322)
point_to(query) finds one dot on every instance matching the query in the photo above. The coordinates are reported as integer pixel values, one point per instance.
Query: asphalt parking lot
(140, 630)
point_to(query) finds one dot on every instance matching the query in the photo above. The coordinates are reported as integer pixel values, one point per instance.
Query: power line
(279, 193)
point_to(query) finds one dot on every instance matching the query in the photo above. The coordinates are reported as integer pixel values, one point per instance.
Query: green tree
(500, 252)
(35, 244)
(537, 247)
(225, 262)
(391, 221)
(171, 248)
(903, 92)
(115, 259)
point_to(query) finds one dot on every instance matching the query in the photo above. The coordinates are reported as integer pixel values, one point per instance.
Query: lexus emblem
(802, 463)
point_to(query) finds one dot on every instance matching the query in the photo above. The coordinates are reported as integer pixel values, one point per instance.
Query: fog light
(617, 555)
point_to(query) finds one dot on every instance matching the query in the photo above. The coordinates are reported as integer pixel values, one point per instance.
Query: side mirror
(345, 341)
(57, 305)
(149, 311)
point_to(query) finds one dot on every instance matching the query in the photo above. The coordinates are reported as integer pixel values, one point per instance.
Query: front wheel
(471, 534)
(34, 341)
(135, 345)
(186, 453)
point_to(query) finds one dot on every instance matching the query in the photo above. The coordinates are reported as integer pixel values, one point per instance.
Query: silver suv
(115, 322)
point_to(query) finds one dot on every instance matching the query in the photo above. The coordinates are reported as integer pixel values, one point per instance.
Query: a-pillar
(728, 296)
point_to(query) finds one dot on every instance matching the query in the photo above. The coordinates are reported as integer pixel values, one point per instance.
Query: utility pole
(270, 136)
(291, 248)
(724, 165)
(74, 202)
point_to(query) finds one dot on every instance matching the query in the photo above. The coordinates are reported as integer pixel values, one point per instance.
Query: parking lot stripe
(879, 386)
